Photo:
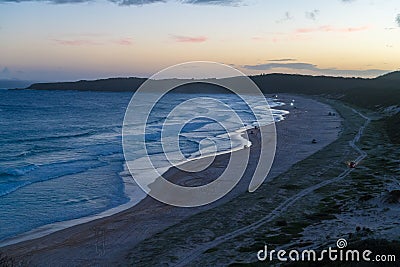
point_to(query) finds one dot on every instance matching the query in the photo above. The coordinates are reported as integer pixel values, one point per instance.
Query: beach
(109, 240)
(223, 133)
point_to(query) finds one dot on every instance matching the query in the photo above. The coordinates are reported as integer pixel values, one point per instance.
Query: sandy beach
(108, 241)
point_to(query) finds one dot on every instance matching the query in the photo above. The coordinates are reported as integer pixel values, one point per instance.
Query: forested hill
(269, 83)
(111, 84)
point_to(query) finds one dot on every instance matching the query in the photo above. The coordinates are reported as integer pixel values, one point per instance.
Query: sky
(66, 40)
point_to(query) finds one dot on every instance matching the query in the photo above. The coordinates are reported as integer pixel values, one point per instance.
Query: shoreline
(131, 190)
(143, 219)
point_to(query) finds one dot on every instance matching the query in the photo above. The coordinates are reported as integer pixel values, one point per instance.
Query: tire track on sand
(196, 252)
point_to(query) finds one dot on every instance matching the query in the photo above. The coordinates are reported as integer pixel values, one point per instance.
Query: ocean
(61, 155)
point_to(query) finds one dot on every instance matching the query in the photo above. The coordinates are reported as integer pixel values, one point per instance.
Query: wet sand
(108, 241)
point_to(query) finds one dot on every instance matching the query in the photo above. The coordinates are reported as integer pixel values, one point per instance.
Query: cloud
(5, 71)
(398, 19)
(269, 66)
(328, 28)
(257, 38)
(124, 41)
(75, 42)
(134, 2)
(189, 39)
(282, 60)
(49, 1)
(286, 17)
(213, 2)
(314, 68)
(91, 42)
(312, 14)
(68, 1)
(347, 1)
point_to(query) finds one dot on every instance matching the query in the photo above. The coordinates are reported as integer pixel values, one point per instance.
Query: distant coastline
(268, 83)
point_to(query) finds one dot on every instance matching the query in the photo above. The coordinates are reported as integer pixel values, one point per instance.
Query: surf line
(195, 253)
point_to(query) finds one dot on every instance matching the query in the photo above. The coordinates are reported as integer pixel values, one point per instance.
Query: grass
(315, 209)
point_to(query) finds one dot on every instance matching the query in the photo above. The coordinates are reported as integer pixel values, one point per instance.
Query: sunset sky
(61, 40)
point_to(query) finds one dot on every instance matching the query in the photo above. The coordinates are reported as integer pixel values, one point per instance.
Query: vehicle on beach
(352, 164)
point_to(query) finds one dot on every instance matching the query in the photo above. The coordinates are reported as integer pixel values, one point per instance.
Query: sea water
(61, 155)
